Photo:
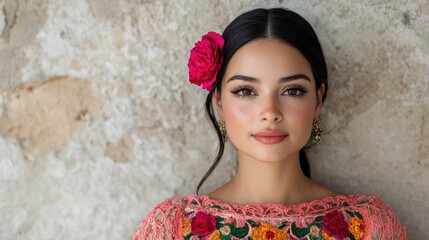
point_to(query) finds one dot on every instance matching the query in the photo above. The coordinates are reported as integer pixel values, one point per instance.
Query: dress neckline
(205, 200)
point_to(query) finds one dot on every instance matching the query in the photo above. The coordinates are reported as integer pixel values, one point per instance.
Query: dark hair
(278, 23)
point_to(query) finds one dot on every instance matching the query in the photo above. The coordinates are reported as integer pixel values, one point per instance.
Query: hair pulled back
(278, 23)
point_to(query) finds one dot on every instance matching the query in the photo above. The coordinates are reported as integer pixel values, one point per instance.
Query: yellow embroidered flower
(215, 235)
(325, 236)
(186, 228)
(357, 227)
(266, 231)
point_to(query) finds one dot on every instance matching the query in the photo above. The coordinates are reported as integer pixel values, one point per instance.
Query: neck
(268, 182)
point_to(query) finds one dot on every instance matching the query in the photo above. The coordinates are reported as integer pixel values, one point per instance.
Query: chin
(271, 156)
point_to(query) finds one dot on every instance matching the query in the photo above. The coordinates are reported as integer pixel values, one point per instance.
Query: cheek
(303, 113)
(235, 112)
(301, 117)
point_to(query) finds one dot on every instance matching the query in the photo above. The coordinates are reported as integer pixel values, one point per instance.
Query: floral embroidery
(325, 236)
(203, 224)
(314, 231)
(357, 227)
(225, 230)
(267, 231)
(186, 228)
(209, 223)
(215, 235)
(335, 225)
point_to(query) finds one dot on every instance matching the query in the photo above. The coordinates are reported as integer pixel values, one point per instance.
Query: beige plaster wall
(98, 123)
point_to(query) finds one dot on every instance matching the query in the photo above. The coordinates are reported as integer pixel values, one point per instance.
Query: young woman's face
(268, 100)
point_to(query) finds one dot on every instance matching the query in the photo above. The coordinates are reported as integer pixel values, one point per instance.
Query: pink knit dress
(193, 217)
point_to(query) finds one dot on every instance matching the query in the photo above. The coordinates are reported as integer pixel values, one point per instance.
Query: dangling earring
(317, 131)
(222, 129)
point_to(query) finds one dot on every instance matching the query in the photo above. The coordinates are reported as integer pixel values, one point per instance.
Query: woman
(267, 80)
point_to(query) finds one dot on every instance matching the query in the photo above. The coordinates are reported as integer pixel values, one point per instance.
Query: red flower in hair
(203, 224)
(205, 60)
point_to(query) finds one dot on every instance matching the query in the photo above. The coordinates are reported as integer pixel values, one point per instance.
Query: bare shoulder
(220, 194)
(225, 193)
(319, 191)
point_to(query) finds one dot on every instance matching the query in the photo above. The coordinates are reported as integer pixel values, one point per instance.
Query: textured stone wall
(98, 123)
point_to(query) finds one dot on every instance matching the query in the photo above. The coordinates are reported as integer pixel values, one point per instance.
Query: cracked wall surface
(98, 122)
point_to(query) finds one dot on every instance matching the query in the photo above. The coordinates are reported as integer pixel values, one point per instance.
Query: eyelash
(239, 91)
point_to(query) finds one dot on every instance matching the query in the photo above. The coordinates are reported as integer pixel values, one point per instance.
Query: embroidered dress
(352, 217)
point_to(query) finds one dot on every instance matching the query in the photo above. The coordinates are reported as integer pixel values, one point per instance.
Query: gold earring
(317, 131)
(222, 129)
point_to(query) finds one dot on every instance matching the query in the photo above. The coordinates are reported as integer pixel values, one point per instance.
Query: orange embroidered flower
(215, 235)
(357, 227)
(325, 236)
(186, 228)
(266, 231)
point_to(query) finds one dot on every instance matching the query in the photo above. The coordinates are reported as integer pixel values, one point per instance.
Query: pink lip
(270, 136)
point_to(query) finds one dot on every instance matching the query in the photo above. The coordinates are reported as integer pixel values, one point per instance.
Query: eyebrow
(255, 80)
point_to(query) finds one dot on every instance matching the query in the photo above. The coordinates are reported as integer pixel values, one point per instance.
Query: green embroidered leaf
(283, 225)
(194, 202)
(187, 237)
(225, 237)
(346, 204)
(352, 237)
(252, 223)
(350, 213)
(239, 232)
(315, 237)
(318, 219)
(300, 232)
(358, 215)
(218, 207)
(219, 219)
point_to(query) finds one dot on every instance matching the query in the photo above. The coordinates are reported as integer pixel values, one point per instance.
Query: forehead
(268, 59)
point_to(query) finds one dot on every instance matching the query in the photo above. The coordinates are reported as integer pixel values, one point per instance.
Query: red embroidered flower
(205, 60)
(270, 235)
(203, 224)
(335, 225)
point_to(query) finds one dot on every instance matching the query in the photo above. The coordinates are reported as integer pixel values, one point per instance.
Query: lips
(270, 136)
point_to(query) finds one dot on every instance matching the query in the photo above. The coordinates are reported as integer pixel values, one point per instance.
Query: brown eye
(295, 92)
(243, 92)
(292, 92)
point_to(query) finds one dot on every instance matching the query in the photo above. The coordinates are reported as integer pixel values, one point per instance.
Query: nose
(270, 110)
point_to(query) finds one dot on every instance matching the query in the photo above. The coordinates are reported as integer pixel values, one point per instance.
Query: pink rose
(203, 224)
(335, 225)
(225, 230)
(314, 230)
(205, 60)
